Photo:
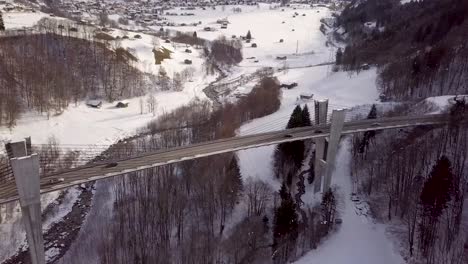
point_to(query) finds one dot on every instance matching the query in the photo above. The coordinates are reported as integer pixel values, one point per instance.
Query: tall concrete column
(16, 149)
(321, 112)
(337, 122)
(26, 173)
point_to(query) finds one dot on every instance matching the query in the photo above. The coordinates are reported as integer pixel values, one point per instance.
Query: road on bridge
(79, 175)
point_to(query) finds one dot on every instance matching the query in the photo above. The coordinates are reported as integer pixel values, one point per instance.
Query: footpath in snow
(358, 240)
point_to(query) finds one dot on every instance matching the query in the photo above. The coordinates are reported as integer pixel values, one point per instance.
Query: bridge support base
(26, 173)
(319, 163)
(337, 122)
(321, 110)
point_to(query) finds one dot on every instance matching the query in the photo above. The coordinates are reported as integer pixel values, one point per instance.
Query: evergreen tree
(195, 34)
(285, 229)
(2, 25)
(296, 118)
(311, 176)
(339, 56)
(306, 116)
(163, 78)
(300, 189)
(373, 112)
(435, 195)
(328, 207)
(283, 192)
(266, 225)
(289, 156)
(249, 35)
(349, 58)
(368, 135)
(458, 112)
(419, 36)
(233, 181)
(437, 189)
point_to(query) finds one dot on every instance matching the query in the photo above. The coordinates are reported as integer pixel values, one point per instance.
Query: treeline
(420, 46)
(46, 72)
(189, 39)
(264, 99)
(222, 53)
(418, 177)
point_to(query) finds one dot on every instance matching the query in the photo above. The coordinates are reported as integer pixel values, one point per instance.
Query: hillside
(419, 46)
(34, 73)
(420, 50)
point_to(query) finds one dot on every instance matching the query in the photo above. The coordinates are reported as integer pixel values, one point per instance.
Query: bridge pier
(337, 123)
(321, 111)
(26, 172)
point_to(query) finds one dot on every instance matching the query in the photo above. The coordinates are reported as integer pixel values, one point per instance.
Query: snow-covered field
(84, 125)
(300, 34)
(142, 48)
(19, 20)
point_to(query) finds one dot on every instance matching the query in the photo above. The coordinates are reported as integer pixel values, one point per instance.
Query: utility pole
(26, 172)
(297, 47)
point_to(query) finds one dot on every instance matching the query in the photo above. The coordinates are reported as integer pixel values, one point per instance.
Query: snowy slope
(142, 48)
(358, 240)
(79, 124)
(84, 125)
(19, 20)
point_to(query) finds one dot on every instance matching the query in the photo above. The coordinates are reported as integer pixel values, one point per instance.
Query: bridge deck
(94, 172)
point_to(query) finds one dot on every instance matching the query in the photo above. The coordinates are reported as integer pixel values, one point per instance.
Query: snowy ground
(303, 43)
(142, 48)
(84, 125)
(441, 103)
(358, 240)
(19, 20)
(98, 217)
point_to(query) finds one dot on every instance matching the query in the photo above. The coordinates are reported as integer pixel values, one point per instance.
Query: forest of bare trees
(413, 178)
(418, 177)
(222, 53)
(181, 213)
(420, 47)
(46, 72)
